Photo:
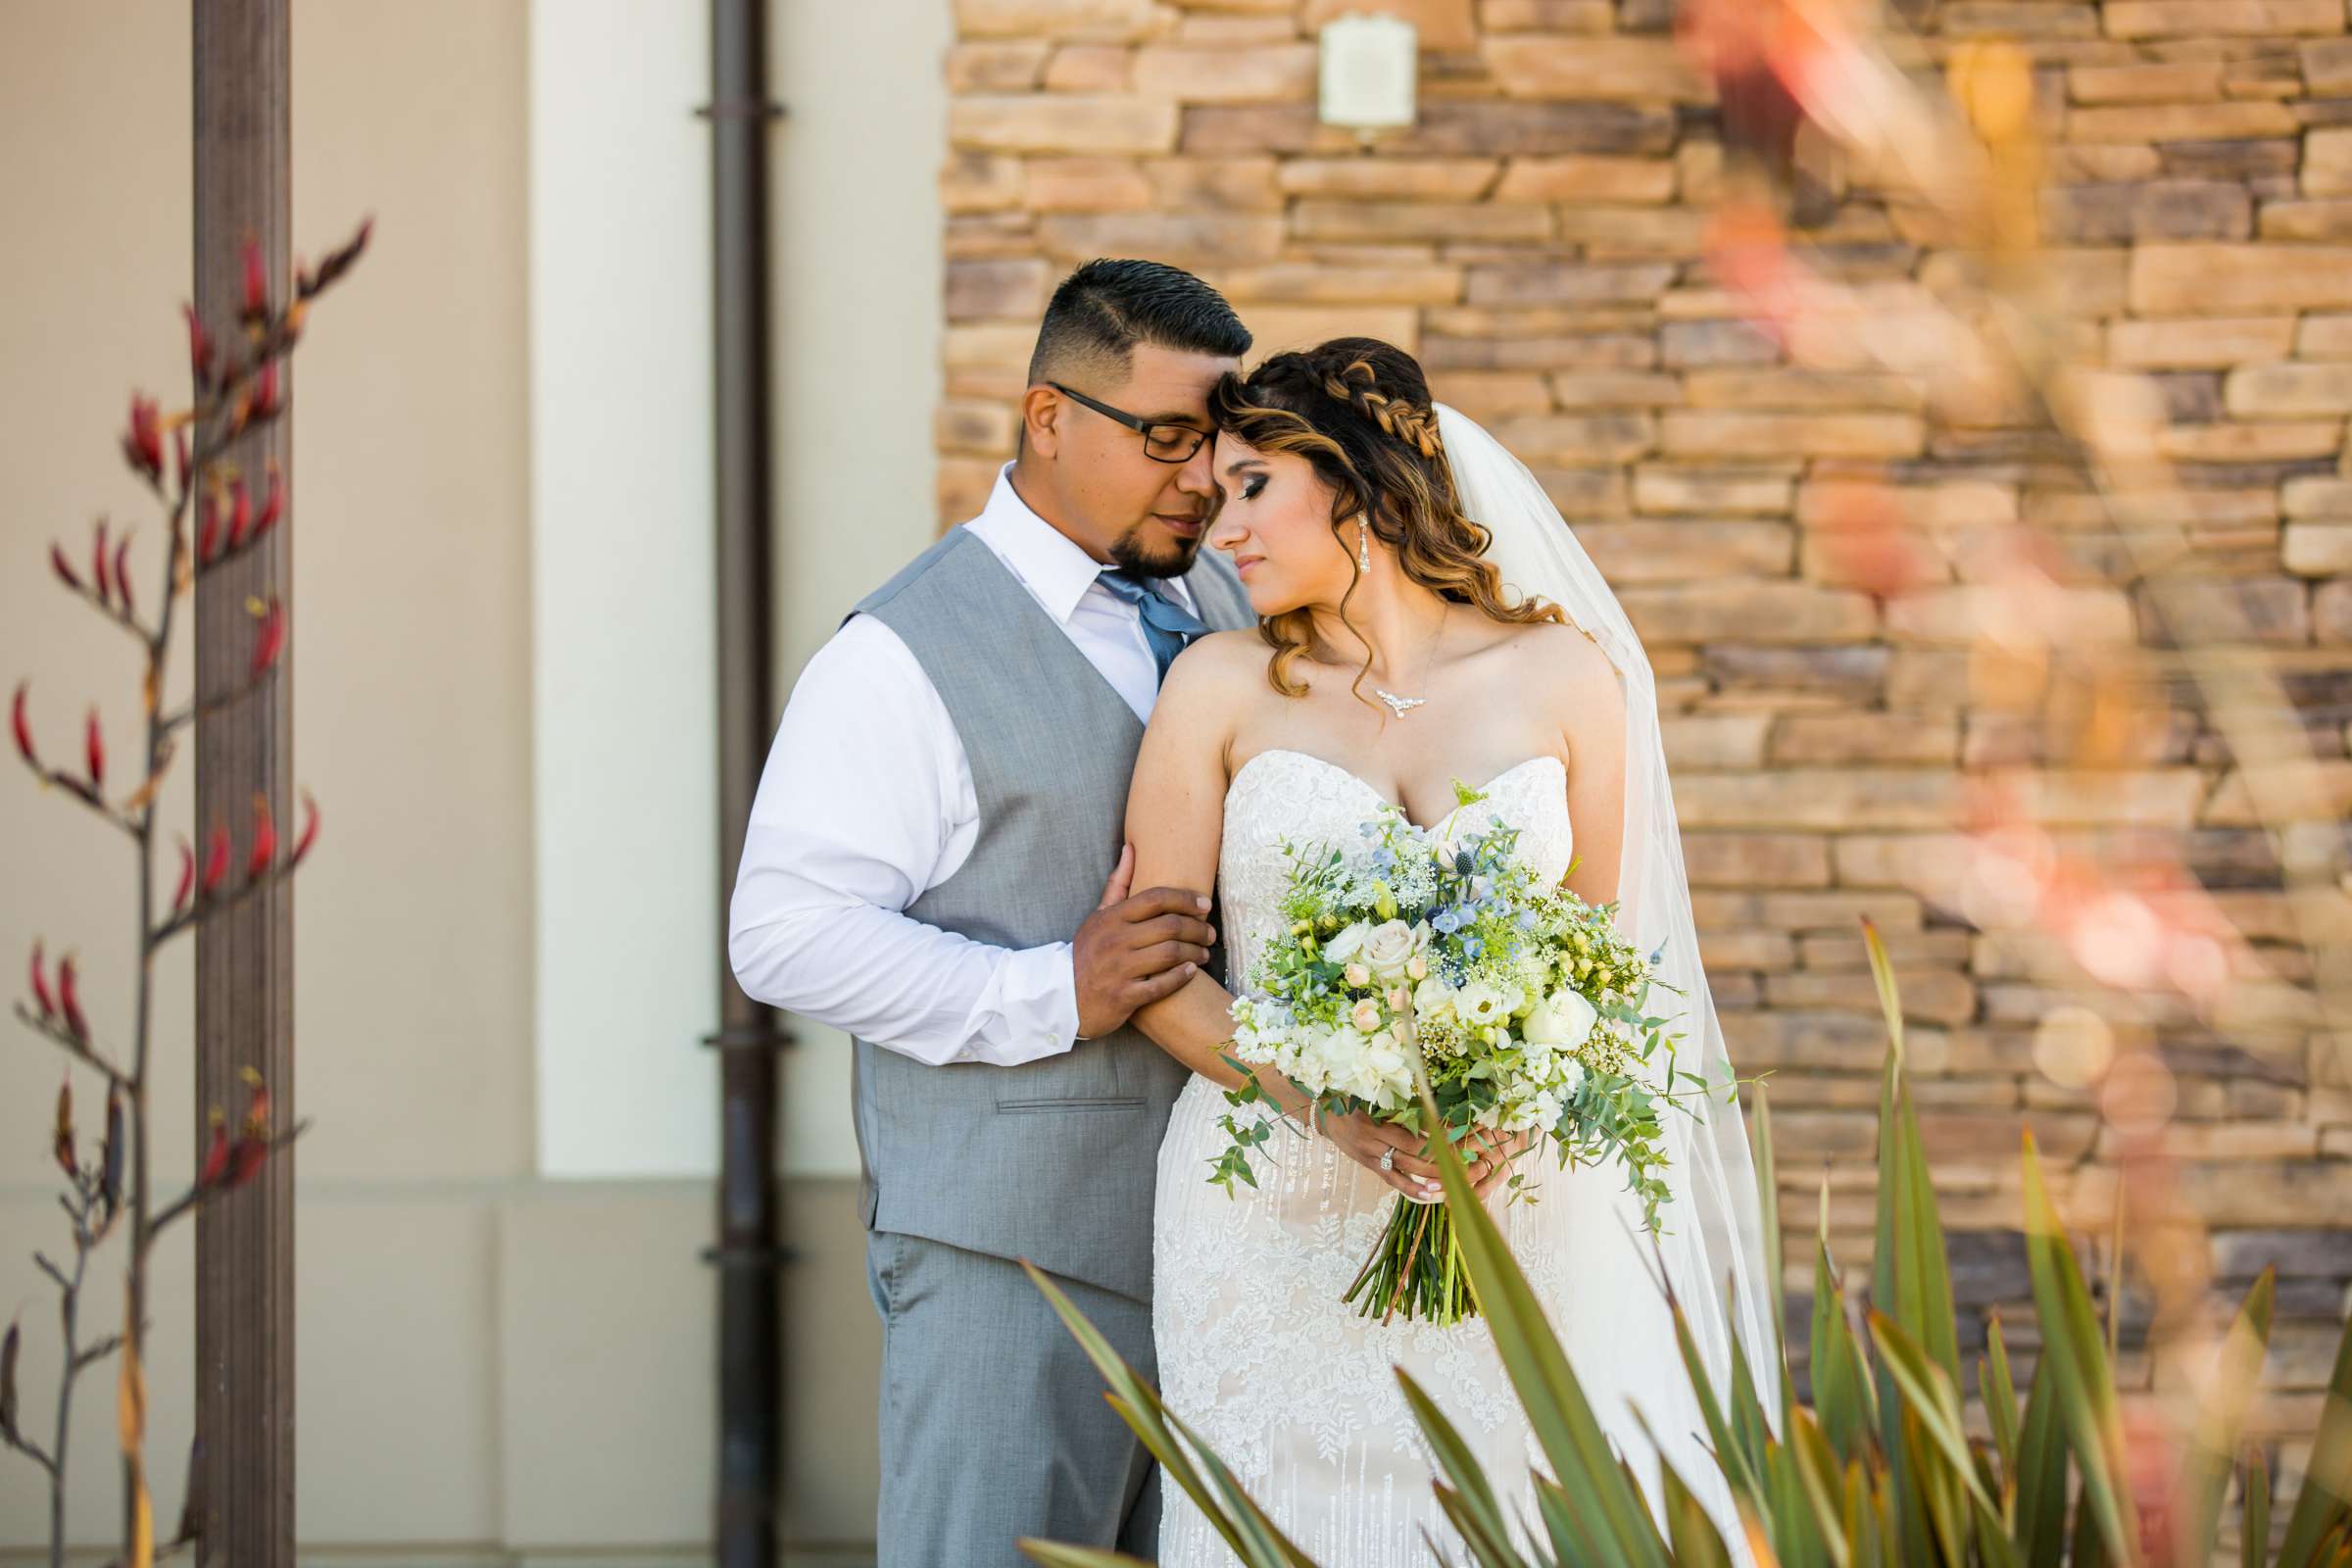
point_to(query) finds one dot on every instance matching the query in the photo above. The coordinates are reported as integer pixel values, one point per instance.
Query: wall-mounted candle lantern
(1370, 68)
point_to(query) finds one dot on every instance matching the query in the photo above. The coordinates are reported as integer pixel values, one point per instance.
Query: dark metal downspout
(749, 1253)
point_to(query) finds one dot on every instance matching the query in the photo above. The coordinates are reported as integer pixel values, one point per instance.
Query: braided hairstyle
(1359, 411)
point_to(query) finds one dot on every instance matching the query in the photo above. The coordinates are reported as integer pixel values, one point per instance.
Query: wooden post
(245, 958)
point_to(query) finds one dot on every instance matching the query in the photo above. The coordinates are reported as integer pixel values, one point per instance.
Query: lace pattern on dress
(1256, 1350)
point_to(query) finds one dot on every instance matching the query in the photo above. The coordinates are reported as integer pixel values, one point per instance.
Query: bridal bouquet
(1434, 953)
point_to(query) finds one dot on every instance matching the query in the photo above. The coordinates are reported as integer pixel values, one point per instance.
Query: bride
(1425, 616)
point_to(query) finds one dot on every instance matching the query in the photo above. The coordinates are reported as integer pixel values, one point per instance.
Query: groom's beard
(1170, 557)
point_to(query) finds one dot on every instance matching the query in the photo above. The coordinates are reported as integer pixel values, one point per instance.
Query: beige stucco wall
(490, 1364)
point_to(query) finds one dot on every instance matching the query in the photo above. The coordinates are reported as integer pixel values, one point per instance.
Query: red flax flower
(40, 987)
(253, 1142)
(110, 1156)
(215, 860)
(274, 501)
(200, 349)
(1864, 539)
(265, 840)
(265, 392)
(69, 1001)
(63, 1144)
(143, 442)
(216, 1155)
(310, 828)
(250, 1154)
(93, 744)
(9, 1344)
(1747, 251)
(123, 575)
(336, 262)
(1742, 47)
(208, 528)
(22, 722)
(257, 284)
(187, 876)
(101, 566)
(64, 568)
(272, 640)
(240, 512)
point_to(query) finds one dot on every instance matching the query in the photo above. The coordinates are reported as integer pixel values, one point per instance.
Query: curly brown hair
(1359, 411)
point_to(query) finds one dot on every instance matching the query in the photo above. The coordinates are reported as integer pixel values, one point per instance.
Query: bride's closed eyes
(1245, 476)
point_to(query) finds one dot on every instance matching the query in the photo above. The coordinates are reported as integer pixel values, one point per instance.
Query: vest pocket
(1071, 1102)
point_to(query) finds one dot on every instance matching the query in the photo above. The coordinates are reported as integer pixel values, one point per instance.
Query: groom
(934, 864)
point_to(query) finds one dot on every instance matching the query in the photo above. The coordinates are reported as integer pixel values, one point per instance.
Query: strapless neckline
(1371, 789)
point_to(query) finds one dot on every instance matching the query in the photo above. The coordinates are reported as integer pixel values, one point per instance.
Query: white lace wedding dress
(1256, 1350)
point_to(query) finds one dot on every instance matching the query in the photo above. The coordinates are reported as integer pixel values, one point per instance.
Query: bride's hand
(1364, 1141)
(1492, 1155)
(1488, 1155)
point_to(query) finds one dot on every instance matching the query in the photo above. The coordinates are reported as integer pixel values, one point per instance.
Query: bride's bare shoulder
(1218, 663)
(1566, 666)
(1560, 646)
(1209, 682)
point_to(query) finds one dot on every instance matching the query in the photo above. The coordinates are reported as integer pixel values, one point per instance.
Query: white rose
(1367, 1015)
(1416, 967)
(1432, 1000)
(1390, 946)
(1480, 1004)
(1562, 1019)
(1356, 975)
(1342, 948)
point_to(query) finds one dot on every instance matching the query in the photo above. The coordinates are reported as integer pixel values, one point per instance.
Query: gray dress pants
(993, 1421)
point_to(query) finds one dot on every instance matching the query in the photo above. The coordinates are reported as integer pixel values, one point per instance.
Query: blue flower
(1449, 920)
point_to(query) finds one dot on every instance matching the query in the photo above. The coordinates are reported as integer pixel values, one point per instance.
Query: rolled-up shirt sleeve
(865, 804)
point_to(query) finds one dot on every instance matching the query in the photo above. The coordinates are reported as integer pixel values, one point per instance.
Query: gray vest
(1052, 1161)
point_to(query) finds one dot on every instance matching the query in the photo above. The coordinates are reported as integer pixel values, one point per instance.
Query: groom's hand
(1134, 949)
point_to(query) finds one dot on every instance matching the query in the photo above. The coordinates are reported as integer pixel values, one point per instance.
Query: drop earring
(1363, 547)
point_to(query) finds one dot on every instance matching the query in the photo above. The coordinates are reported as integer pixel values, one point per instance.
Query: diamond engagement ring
(1388, 1160)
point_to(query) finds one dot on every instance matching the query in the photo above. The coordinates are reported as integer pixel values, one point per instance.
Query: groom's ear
(1041, 412)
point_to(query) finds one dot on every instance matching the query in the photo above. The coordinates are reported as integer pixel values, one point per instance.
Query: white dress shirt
(866, 803)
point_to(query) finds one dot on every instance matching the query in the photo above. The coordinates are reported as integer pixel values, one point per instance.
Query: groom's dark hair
(1106, 307)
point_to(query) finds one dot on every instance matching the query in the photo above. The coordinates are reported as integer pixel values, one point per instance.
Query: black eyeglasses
(1163, 441)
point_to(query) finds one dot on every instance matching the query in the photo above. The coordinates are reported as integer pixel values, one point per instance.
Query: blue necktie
(1167, 626)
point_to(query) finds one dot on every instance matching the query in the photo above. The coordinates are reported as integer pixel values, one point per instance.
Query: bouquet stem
(1415, 1269)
